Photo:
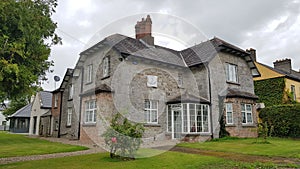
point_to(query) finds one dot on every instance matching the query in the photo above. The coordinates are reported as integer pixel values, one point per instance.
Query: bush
(123, 137)
(282, 120)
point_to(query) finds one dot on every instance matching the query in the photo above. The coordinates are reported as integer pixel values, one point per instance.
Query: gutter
(60, 112)
(80, 102)
(210, 104)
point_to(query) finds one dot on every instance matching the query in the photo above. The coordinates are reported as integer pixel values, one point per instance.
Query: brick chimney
(252, 53)
(143, 30)
(284, 65)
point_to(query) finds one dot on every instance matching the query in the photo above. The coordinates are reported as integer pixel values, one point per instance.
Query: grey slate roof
(23, 112)
(46, 98)
(234, 92)
(129, 46)
(187, 98)
(206, 51)
(287, 74)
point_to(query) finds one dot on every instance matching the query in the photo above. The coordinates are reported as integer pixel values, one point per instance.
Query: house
(282, 70)
(41, 120)
(4, 122)
(66, 123)
(19, 121)
(175, 94)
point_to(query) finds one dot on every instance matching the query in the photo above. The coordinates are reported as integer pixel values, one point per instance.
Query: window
(90, 111)
(71, 90)
(56, 125)
(195, 117)
(247, 113)
(69, 117)
(229, 113)
(151, 114)
(89, 77)
(106, 66)
(55, 100)
(231, 73)
(180, 80)
(293, 91)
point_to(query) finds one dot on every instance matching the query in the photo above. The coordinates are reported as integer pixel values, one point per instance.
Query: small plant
(123, 137)
(263, 131)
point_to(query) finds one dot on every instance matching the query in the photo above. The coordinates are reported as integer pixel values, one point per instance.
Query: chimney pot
(283, 64)
(252, 53)
(143, 30)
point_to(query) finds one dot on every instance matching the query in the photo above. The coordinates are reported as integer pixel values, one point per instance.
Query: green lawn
(12, 145)
(166, 160)
(277, 147)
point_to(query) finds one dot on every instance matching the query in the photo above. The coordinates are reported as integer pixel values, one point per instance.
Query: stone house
(41, 121)
(175, 94)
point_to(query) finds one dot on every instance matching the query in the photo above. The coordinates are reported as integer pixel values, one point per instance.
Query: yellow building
(282, 69)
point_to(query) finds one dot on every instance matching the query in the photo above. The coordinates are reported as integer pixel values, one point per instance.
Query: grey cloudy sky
(272, 27)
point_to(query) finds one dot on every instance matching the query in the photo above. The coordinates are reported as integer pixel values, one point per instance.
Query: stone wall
(69, 131)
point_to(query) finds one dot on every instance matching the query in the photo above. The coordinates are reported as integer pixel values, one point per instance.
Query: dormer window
(106, 66)
(231, 73)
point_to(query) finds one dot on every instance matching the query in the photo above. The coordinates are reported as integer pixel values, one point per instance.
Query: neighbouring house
(4, 121)
(175, 94)
(281, 80)
(66, 123)
(41, 120)
(19, 121)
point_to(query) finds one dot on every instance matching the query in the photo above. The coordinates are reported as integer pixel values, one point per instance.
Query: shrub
(282, 120)
(123, 137)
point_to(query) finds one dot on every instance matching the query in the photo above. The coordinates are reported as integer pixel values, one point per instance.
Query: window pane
(95, 115)
(154, 105)
(192, 118)
(249, 117)
(199, 118)
(229, 117)
(248, 107)
(147, 104)
(243, 117)
(169, 119)
(243, 107)
(153, 116)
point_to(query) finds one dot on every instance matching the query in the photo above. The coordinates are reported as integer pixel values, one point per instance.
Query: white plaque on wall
(151, 81)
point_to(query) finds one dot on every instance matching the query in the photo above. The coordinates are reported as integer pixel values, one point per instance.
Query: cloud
(272, 27)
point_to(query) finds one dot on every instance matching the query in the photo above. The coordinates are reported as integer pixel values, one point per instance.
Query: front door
(176, 124)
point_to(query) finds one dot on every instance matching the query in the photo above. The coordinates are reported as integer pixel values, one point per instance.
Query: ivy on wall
(270, 91)
(282, 120)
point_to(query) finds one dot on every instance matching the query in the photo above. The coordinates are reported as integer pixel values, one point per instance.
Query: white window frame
(55, 100)
(69, 116)
(231, 73)
(187, 126)
(90, 111)
(89, 77)
(151, 113)
(229, 113)
(293, 90)
(71, 91)
(245, 113)
(180, 80)
(106, 66)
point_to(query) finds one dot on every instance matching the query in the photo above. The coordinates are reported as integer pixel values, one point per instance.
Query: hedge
(282, 120)
(270, 91)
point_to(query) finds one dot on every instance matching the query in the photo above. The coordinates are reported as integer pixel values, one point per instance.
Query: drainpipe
(80, 103)
(60, 112)
(210, 106)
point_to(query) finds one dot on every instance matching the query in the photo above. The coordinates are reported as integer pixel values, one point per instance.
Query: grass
(165, 160)
(250, 146)
(13, 145)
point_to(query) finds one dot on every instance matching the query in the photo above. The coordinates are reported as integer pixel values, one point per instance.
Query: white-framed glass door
(176, 123)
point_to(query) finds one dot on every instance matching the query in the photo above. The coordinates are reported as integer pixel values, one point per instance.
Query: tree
(123, 137)
(15, 105)
(26, 35)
